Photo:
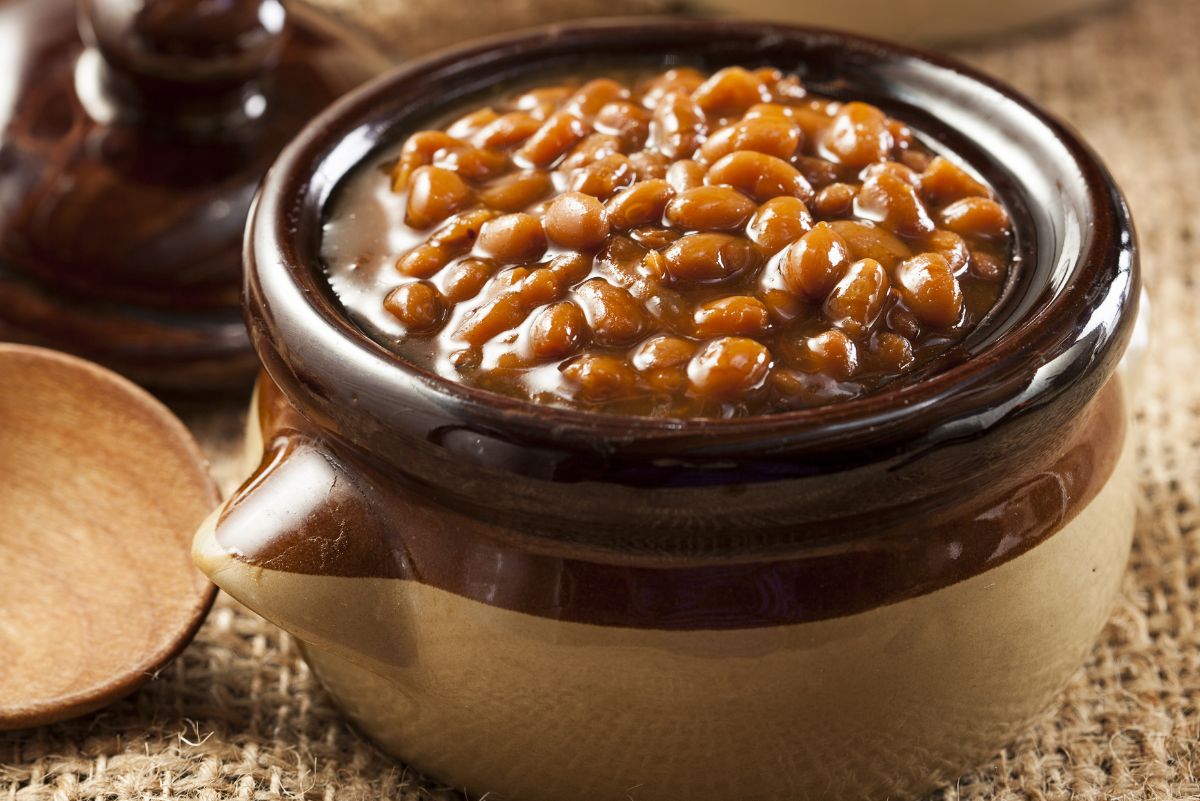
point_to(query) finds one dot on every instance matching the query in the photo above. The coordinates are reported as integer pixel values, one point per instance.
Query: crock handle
(303, 543)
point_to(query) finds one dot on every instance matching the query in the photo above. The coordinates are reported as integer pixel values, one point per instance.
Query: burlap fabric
(240, 716)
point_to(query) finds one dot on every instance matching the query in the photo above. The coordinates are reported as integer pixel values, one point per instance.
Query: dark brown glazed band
(346, 518)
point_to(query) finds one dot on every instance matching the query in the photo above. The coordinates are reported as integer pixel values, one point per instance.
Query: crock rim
(1002, 375)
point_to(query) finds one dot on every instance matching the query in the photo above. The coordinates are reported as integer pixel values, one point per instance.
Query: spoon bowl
(100, 490)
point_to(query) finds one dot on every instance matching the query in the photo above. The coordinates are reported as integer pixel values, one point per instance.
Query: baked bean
(917, 160)
(433, 195)
(639, 205)
(667, 379)
(888, 198)
(686, 174)
(603, 178)
(730, 91)
(556, 136)
(796, 387)
(595, 95)
(893, 352)
(576, 221)
(590, 150)
(654, 265)
(471, 123)
(600, 377)
(903, 322)
(680, 79)
(739, 315)
(418, 151)
(869, 241)
(858, 135)
(511, 358)
(775, 136)
(677, 125)
(628, 122)
(508, 278)
(710, 208)
(465, 359)
(543, 101)
(471, 162)
(943, 181)
(539, 287)
(666, 306)
(512, 238)
(615, 316)
(459, 233)
(662, 351)
(782, 305)
(620, 260)
(814, 263)
(902, 136)
(779, 222)
(857, 300)
(787, 89)
(833, 353)
(710, 257)
(777, 84)
(466, 279)
(835, 199)
(419, 306)
(929, 290)
(507, 131)
(818, 172)
(571, 268)
(892, 168)
(423, 261)
(758, 175)
(517, 191)
(690, 275)
(557, 331)
(729, 367)
(976, 218)
(509, 308)
(951, 246)
(814, 122)
(986, 266)
(654, 236)
(772, 109)
(649, 164)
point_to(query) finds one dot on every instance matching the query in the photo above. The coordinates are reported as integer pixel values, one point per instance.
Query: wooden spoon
(101, 488)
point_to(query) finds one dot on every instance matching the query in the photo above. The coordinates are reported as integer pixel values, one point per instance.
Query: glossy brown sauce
(672, 245)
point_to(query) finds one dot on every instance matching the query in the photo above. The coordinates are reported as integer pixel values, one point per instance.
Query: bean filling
(679, 244)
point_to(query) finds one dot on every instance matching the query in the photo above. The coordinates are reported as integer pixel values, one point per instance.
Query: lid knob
(182, 55)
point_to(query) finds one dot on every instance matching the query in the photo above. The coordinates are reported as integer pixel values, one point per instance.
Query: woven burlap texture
(239, 715)
(412, 27)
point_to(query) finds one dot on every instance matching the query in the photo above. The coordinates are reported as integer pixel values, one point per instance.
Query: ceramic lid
(132, 139)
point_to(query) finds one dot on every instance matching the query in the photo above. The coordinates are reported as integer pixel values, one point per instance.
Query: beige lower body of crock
(886, 703)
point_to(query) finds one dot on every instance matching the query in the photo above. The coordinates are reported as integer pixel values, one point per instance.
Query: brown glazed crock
(132, 139)
(856, 601)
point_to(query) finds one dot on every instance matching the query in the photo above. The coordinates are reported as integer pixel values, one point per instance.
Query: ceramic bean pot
(861, 600)
(132, 139)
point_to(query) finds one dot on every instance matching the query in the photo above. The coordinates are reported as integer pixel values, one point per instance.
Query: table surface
(240, 716)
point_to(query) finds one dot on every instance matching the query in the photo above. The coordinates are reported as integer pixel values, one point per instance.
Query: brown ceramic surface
(126, 172)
